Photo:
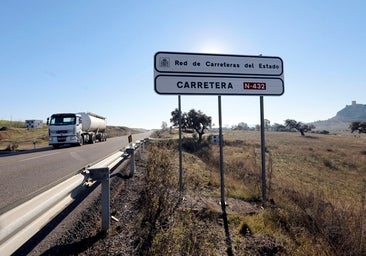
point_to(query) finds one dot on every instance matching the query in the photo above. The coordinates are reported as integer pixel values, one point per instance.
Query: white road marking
(76, 155)
(35, 157)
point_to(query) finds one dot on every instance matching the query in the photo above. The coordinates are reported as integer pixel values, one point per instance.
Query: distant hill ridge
(351, 113)
(343, 118)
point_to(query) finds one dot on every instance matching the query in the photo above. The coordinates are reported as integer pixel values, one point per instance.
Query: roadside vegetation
(14, 136)
(316, 196)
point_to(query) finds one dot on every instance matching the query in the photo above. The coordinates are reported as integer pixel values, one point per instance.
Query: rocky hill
(343, 118)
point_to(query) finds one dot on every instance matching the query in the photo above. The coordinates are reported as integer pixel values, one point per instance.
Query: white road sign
(218, 85)
(217, 74)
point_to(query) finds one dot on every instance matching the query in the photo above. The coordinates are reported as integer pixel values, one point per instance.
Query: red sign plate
(254, 86)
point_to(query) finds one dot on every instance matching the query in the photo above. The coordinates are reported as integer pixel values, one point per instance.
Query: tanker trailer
(75, 129)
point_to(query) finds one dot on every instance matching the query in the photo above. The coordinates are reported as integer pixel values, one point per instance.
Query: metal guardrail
(22, 222)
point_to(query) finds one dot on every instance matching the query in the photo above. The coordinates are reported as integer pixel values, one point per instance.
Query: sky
(98, 56)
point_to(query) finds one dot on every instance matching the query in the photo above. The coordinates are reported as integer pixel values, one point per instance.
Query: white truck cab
(75, 129)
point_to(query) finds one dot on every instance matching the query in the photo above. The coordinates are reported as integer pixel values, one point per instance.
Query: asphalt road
(24, 174)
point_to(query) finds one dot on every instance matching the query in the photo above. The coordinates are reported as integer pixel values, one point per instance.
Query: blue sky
(97, 56)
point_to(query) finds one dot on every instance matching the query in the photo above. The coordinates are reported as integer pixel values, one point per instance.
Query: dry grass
(12, 139)
(332, 164)
(316, 185)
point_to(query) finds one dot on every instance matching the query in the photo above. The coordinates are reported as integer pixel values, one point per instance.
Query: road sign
(217, 74)
(218, 85)
(173, 62)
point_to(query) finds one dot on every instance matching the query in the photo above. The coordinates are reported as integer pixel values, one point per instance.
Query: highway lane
(24, 174)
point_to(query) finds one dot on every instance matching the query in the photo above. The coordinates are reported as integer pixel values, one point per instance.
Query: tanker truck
(75, 129)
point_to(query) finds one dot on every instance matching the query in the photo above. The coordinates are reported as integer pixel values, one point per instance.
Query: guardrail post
(138, 145)
(141, 149)
(102, 174)
(131, 151)
(142, 145)
(147, 141)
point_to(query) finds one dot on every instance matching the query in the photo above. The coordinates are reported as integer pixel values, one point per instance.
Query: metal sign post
(222, 182)
(221, 157)
(177, 73)
(180, 146)
(263, 152)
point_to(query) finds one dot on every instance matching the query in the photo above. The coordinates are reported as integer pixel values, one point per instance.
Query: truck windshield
(62, 120)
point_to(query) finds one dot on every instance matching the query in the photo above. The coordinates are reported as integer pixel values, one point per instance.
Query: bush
(158, 198)
(322, 132)
(12, 147)
(339, 228)
(191, 145)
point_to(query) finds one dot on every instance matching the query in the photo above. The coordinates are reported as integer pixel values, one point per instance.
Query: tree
(241, 126)
(301, 127)
(266, 124)
(278, 127)
(175, 119)
(164, 125)
(358, 126)
(195, 120)
(199, 122)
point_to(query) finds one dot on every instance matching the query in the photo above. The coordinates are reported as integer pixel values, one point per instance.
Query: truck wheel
(91, 139)
(81, 140)
(101, 137)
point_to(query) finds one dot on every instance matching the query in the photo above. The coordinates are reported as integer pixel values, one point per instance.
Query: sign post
(177, 73)
(180, 146)
(263, 151)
